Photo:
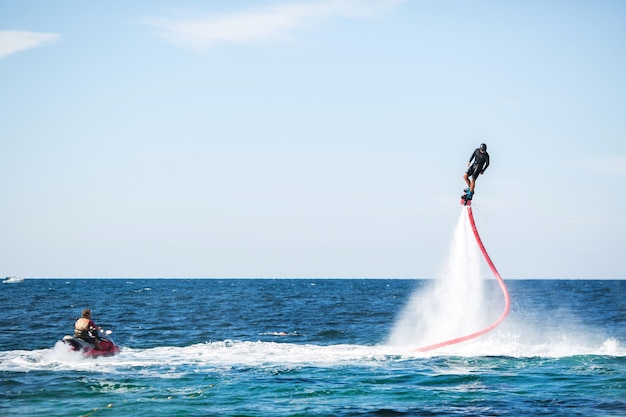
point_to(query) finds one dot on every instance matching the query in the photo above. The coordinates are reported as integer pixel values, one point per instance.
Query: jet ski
(107, 346)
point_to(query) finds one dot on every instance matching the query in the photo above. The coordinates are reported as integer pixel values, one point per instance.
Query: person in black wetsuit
(478, 167)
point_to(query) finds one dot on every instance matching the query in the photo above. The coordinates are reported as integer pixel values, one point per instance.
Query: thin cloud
(615, 164)
(595, 221)
(12, 41)
(265, 24)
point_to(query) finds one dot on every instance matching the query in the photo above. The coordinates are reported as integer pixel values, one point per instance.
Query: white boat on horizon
(12, 280)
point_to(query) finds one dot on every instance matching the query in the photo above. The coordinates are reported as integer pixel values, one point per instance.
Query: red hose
(505, 292)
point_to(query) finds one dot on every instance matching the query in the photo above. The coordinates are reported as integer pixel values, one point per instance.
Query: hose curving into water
(505, 292)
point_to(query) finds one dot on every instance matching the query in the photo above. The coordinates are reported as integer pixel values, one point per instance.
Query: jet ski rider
(86, 329)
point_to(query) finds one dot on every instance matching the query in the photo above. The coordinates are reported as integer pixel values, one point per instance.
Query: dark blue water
(308, 348)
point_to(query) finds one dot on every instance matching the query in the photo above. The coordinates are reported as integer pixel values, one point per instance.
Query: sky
(305, 139)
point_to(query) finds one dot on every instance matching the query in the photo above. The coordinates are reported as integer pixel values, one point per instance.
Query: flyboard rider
(87, 330)
(478, 167)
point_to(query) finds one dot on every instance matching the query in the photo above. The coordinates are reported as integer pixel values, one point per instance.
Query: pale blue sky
(309, 138)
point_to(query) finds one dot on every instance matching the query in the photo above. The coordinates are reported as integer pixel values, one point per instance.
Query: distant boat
(12, 280)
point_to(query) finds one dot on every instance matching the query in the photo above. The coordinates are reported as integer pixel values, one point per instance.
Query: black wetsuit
(481, 162)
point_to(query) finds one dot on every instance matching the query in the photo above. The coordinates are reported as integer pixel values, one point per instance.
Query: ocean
(315, 347)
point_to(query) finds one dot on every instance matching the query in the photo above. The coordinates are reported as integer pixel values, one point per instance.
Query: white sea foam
(170, 361)
(225, 354)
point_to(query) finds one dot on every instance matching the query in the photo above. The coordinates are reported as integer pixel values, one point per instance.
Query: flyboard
(466, 200)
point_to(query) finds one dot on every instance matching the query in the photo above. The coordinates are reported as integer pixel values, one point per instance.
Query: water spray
(505, 292)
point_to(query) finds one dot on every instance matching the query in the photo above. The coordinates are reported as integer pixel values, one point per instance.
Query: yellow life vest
(83, 331)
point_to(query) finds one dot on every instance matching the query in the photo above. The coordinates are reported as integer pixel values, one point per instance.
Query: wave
(230, 354)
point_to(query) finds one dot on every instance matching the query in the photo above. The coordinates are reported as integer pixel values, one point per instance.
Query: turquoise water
(309, 348)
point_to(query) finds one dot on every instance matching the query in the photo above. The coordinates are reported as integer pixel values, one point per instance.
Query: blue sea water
(308, 347)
